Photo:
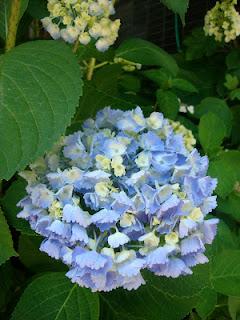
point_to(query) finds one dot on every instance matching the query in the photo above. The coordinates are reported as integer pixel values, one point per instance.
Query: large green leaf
(13, 195)
(179, 7)
(218, 107)
(53, 297)
(225, 272)
(230, 205)
(226, 169)
(211, 132)
(168, 103)
(7, 281)
(184, 85)
(235, 135)
(198, 45)
(40, 85)
(33, 258)
(234, 307)
(6, 243)
(160, 298)
(146, 53)
(206, 303)
(5, 6)
(101, 92)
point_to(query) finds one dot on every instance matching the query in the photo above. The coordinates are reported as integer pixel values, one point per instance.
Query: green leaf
(231, 82)
(13, 195)
(225, 239)
(102, 91)
(233, 59)
(207, 303)
(225, 272)
(40, 85)
(211, 132)
(146, 53)
(35, 260)
(7, 281)
(235, 134)
(230, 205)
(234, 307)
(226, 169)
(179, 7)
(160, 298)
(160, 76)
(184, 85)
(37, 9)
(53, 297)
(6, 243)
(235, 94)
(130, 82)
(5, 6)
(218, 107)
(168, 103)
(198, 45)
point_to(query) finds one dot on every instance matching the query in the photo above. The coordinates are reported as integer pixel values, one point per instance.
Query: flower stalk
(13, 24)
(91, 67)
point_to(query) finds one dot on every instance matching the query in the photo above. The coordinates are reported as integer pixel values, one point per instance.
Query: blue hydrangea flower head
(125, 193)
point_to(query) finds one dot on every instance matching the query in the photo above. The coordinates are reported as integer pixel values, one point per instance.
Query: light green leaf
(159, 76)
(40, 85)
(218, 107)
(13, 195)
(226, 169)
(146, 53)
(234, 307)
(225, 272)
(184, 85)
(6, 243)
(231, 82)
(207, 303)
(211, 132)
(168, 103)
(235, 94)
(179, 7)
(53, 297)
(230, 205)
(5, 6)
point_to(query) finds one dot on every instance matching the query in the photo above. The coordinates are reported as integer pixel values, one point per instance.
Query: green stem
(13, 24)
(91, 67)
(75, 46)
(101, 64)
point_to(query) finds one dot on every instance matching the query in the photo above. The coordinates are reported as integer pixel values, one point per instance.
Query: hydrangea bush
(125, 193)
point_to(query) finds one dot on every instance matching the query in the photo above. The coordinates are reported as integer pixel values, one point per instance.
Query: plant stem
(75, 46)
(91, 66)
(13, 24)
(100, 64)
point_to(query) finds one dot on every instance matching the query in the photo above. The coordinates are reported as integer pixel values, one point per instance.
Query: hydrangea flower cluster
(82, 20)
(125, 193)
(223, 21)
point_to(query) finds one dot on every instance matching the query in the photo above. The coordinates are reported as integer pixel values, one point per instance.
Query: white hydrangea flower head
(82, 20)
(223, 21)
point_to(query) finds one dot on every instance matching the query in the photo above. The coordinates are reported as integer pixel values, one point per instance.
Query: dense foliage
(47, 89)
